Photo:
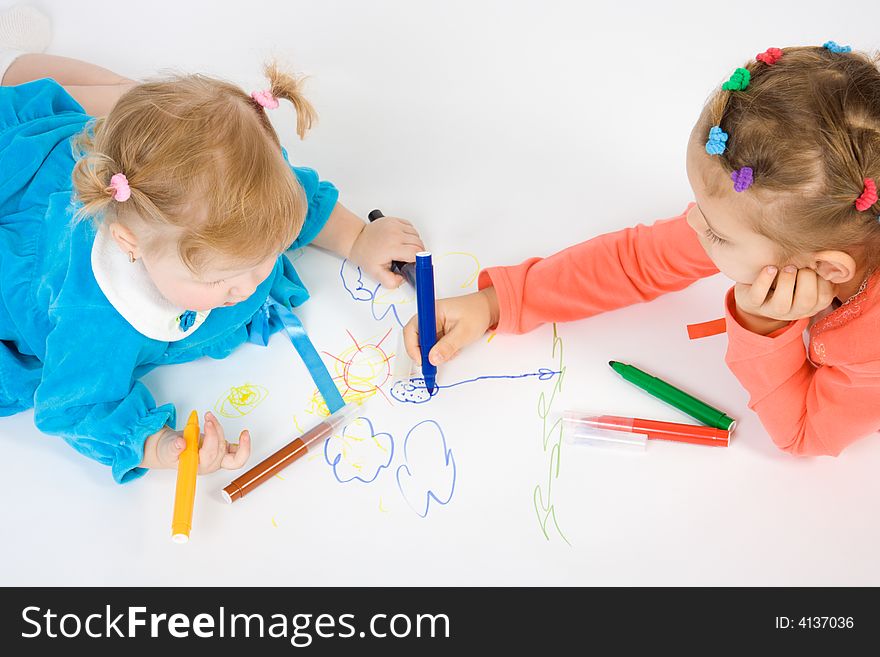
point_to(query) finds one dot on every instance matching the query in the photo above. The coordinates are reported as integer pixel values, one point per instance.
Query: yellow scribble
(490, 337)
(280, 477)
(471, 277)
(382, 297)
(274, 524)
(238, 401)
(380, 506)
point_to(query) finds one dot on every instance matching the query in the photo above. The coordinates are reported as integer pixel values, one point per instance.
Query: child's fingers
(389, 279)
(826, 293)
(447, 346)
(806, 293)
(407, 252)
(237, 457)
(210, 451)
(783, 295)
(759, 289)
(412, 247)
(411, 339)
(171, 450)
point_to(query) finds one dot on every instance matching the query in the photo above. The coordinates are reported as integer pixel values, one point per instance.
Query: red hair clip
(769, 56)
(868, 196)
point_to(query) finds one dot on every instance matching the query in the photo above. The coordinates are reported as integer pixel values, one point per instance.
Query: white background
(508, 130)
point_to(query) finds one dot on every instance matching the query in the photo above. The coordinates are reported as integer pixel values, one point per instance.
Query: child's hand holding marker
(460, 321)
(163, 449)
(763, 307)
(381, 242)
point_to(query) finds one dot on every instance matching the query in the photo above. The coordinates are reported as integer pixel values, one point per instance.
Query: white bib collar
(133, 294)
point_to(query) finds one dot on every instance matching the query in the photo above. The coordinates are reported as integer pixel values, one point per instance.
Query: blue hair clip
(717, 141)
(833, 47)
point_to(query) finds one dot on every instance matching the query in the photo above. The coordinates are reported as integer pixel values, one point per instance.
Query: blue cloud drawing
(359, 452)
(429, 471)
(353, 282)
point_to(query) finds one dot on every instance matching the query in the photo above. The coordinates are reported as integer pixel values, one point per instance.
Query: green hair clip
(738, 81)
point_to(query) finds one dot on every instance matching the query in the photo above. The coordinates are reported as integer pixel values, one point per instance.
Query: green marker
(674, 397)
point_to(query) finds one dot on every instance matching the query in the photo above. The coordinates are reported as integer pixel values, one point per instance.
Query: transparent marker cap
(580, 429)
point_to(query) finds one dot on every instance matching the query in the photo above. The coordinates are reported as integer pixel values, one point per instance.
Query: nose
(244, 288)
(242, 292)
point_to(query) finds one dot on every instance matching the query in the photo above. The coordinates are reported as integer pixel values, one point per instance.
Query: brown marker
(275, 463)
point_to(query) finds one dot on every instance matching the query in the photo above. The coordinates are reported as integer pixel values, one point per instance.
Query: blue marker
(426, 320)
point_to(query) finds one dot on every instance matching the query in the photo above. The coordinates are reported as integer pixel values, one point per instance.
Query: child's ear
(835, 266)
(125, 239)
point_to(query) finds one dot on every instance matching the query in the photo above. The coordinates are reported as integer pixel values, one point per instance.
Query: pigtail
(283, 85)
(91, 175)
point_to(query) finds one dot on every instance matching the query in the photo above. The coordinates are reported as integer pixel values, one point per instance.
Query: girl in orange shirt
(784, 163)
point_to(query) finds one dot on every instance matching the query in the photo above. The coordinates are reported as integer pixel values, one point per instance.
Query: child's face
(720, 221)
(215, 287)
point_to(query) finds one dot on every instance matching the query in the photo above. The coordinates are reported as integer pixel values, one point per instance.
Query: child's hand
(162, 449)
(798, 293)
(382, 241)
(460, 321)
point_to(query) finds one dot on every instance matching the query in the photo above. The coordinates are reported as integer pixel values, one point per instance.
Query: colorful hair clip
(265, 99)
(119, 185)
(769, 56)
(742, 179)
(738, 81)
(868, 196)
(833, 47)
(717, 141)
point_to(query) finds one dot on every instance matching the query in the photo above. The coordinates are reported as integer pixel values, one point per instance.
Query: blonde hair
(202, 159)
(809, 127)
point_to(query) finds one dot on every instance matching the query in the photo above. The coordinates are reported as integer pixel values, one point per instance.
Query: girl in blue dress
(152, 235)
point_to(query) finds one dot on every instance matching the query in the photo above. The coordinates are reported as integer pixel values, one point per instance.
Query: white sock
(25, 28)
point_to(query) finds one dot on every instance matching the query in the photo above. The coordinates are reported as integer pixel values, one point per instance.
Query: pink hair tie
(265, 99)
(119, 185)
(868, 196)
(769, 56)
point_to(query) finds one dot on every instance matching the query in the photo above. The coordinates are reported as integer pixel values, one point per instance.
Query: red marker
(652, 429)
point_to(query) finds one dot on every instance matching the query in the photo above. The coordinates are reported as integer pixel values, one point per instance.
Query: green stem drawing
(544, 507)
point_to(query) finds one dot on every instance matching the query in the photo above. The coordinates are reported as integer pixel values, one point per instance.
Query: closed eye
(713, 237)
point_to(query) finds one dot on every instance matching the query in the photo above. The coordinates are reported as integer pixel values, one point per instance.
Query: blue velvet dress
(65, 350)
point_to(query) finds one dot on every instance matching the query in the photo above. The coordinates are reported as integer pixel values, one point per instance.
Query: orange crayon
(187, 471)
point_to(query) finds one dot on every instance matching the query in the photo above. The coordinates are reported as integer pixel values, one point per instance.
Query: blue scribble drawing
(414, 391)
(359, 452)
(353, 282)
(459, 271)
(428, 472)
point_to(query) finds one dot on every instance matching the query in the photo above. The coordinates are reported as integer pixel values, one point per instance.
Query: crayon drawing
(359, 373)
(551, 437)
(415, 392)
(428, 472)
(359, 452)
(238, 401)
(454, 271)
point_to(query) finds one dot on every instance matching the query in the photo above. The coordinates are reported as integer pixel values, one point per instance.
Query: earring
(130, 256)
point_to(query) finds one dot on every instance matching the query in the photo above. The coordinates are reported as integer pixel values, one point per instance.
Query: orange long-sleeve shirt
(809, 404)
